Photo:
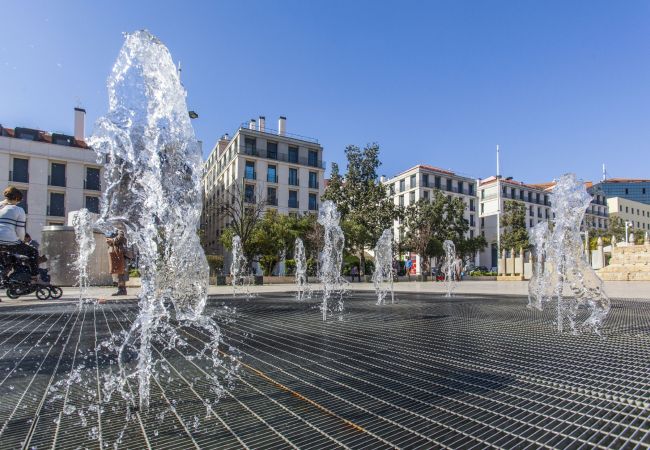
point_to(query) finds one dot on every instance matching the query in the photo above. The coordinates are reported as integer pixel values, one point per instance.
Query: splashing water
(382, 277)
(538, 236)
(331, 259)
(153, 168)
(83, 231)
(239, 269)
(565, 266)
(450, 266)
(303, 288)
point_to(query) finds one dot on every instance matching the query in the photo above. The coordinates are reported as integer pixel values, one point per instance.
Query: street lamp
(627, 224)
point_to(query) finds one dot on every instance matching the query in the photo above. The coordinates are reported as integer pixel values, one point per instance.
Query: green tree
(513, 226)
(364, 204)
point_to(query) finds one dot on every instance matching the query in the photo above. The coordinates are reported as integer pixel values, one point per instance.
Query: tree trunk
(362, 263)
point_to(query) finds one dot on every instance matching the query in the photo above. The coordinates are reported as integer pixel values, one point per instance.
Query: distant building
(637, 190)
(419, 182)
(637, 213)
(56, 172)
(287, 170)
(495, 191)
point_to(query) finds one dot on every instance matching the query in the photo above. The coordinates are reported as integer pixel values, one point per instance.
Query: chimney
(262, 123)
(223, 143)
(79, 124)
(251, 124)
(282, 125)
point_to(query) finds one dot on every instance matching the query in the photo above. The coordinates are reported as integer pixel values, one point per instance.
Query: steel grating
(465, 372)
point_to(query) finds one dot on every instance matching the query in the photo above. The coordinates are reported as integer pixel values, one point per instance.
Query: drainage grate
(429, 371)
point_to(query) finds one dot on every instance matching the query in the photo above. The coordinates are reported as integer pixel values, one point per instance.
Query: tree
(513, 225)
(364, 204)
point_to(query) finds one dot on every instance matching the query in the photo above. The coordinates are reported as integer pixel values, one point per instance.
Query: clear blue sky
(560, 85)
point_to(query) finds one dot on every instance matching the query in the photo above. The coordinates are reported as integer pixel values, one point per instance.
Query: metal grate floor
(466, 372)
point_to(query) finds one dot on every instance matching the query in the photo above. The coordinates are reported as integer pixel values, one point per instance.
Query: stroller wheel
(12, 293)
(42, 293)
(56, 292)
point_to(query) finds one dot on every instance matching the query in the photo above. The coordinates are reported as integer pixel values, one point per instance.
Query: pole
(498, 207)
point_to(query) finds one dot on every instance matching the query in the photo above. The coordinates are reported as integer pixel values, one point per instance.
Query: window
(530, 211)
(530, 197)
(537, 198)
(627, 191)
(92, 182)
(521, 194)
(402, 185)
(293, 154)
(437, 182)
(482, 208)
(482, 194)
(20, 173)
(23, 203)
(471, 220)
(620, 208)
(249, 193)
(425, 179)
(448, 184)
(312, 158)
(57, 205)
(471, 203)
(313, 202)
(531, 223)
(461, 187)
(272, 196)
(249, 171)
(250, 146)
(471, 189)
(293, 199)
(272, 150)
(426, 195)
(411, 197)
(293, 177)
(313, 180)
(271, 174)
(401, 200)
(57, 174)
(513, 193)
(92, 204)
(412, 182)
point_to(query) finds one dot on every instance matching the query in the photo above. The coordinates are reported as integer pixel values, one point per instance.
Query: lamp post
(627, 224)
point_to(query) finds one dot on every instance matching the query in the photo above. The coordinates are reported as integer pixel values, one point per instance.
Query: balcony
(271, 178)
(284, 157)
(249, 199)
(313, 206)
(248, 175)
(294, 182)
(93, 185)
(18, 177)
(294, 204)
(313, 184)
(272, 201)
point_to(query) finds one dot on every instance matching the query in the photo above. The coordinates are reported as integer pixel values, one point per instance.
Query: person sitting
(12, 229)
(31, 242)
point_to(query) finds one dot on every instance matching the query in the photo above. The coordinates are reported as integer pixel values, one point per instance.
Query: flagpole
(498, 207)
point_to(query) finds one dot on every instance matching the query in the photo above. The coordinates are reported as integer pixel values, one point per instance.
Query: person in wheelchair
(12, 231)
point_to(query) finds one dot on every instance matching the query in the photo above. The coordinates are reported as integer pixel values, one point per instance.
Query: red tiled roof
(43, 136)
(492, 179)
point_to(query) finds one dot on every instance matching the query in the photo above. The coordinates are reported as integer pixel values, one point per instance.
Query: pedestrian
(458, 263)
(117, 260)
(31, 242)
(408, 265)
(353, 273)
(12, 230)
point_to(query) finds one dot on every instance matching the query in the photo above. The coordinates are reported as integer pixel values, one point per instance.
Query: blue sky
(560, 85)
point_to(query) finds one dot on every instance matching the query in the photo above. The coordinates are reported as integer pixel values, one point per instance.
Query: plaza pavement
(619, 289)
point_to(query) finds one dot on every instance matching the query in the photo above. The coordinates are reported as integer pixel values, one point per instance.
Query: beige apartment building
(285, 170)
(419, 182)
(636, 213)
(56, 172)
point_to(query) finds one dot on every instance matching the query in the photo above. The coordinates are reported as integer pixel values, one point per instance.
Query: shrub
(290, 267)
(134, 273)
(216, 263)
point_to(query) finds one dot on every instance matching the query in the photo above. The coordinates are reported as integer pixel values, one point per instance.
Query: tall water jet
(303, 288)
(382, 277)
(153, 169)
(83, 230)
(539, 237)
(565, 266)
(450, 266)
(331, 259)
(239, 268)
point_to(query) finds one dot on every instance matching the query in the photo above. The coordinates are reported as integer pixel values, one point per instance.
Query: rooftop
(624, 180)
(425, 167)
(30, 134)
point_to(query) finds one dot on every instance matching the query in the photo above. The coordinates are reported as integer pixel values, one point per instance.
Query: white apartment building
(419, 182)
(495, 191)
(287, 170)
(56, 172)
(637, 213)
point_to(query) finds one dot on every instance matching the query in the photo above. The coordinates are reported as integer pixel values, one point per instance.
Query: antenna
(498, 172)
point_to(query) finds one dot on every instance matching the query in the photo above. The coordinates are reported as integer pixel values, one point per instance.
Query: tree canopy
(514, 234)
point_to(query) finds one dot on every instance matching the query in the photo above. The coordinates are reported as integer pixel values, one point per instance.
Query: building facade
(284, 170)
(637, 190)
(495, 191)
(57, 173)
(636, 213)
(419, 182)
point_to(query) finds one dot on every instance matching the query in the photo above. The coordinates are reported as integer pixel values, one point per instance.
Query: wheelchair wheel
(56, 292)
(42, 293)
(12, 293)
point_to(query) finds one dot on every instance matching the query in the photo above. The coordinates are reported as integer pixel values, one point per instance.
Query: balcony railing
(55, 211)
(249, 199)
(250, 175)
(294, 204)
(295, 182)
(56, 181)
(271, 178)
(313, 184)
(92, 185)
(313, 207)
(283, 157)
(272, 201)
(18, 177)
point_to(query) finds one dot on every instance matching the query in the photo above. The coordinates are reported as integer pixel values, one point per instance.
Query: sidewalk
(620, 289)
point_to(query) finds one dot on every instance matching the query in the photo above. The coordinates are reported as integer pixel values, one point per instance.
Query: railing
(55, 212)
(313, 184)
(56, 182)
(250, 175)
(295, 182)
(284, 157)
(313, 207)
(18, 179)
(271, 178)
(272, 201)
(295, 204)
(93, 186)
(249, 198)
(246, 126)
